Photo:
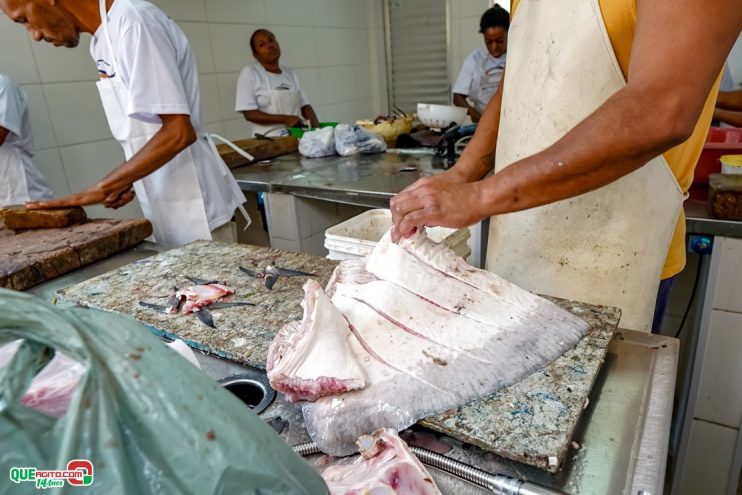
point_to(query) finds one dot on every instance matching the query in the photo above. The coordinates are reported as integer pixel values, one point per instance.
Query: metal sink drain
(252, 389)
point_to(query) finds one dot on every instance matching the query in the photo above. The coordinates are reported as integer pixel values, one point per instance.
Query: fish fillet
(298, 363)
(386, 467)
(430, 333)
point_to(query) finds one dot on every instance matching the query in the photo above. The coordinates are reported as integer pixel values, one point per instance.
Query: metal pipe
(496, 483)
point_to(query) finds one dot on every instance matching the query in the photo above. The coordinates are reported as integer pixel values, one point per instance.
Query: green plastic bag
(142, 419)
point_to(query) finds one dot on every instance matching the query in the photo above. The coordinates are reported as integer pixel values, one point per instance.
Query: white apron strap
(227, 174)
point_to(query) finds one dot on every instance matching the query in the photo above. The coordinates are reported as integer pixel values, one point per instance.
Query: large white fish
(416, 331)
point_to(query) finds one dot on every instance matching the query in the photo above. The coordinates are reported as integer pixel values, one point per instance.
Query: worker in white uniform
(268, 94)
(20, 180)
(592, 136)
(149, 89)
(482, 70)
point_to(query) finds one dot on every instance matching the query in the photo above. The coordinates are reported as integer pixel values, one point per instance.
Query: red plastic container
(719, 141)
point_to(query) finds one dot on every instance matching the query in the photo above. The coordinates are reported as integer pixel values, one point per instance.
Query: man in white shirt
(20, 180)
(149, 90)
(268, 94)
(482, 70)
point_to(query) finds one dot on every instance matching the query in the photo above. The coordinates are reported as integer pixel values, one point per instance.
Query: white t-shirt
(475, 65)
(155, 62)
(14, 118)
(255, 83)
(157, 66)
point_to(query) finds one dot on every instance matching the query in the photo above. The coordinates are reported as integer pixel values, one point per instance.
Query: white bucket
(357, 237)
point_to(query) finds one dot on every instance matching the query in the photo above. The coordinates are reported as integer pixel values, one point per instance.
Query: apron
(487, 87)
(171, 196)
(280, 102)
(605, 247)
(21, 180)
(13, 187)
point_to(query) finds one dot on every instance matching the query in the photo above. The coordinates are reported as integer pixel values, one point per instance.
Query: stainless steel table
(364, 180)
(622, 437)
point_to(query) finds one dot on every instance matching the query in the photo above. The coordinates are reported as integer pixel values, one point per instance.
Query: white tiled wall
(336, 47)
(465, 35)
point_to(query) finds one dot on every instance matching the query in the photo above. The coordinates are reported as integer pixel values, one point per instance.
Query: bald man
(149, 89)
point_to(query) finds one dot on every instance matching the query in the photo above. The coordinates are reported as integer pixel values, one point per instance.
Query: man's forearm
(478, 158)
(460, 101)
(308, 113)
(730, 100)
(3, 135)
(729, 117)
(259, 117)
(175, 135)
(594, 153)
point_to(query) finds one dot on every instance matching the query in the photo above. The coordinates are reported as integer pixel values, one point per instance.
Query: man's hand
(119, 199)
(92, 196)
(87, 197)
(433, 202)
(293, 121)
(474, 114)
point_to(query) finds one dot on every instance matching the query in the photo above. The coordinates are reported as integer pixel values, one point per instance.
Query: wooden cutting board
(531, 421)
(259, 149)
(28, 258)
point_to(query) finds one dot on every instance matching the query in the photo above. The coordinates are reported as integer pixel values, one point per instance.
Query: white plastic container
(357, 237)
(731, 164)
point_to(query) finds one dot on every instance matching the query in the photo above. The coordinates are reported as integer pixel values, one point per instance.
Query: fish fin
(229, 305)
(294, 273)
(156, 307)
(205, 317)
(270, 280)
(251, 273)
(201, 281)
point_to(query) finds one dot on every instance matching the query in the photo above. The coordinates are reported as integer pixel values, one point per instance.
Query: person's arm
(460, 101)
(654, 117)
(308, 113)
(3, 134)
(260, 117)
(730, 100)
(174, 136)
(729, 117)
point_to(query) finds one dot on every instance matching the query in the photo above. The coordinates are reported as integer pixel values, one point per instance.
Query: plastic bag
(141, 420)
(351, 140)
(321, 142)
(51, 390)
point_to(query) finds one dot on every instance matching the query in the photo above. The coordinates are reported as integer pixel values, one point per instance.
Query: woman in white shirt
(268, 94)
(482, 70)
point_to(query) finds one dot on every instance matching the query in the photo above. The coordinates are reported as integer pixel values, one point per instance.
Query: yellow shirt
(620, 20)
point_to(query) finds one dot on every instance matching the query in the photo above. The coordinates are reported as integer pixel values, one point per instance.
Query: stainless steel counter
(371, 180)
(699, 221)
(622, 442)
(364, 180)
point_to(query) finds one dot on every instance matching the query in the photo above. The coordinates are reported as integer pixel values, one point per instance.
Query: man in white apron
(149, 89)
(20, 180)
(268, 94)
(483, 68)
(585, 206)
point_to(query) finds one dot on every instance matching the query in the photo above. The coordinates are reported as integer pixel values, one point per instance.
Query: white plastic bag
(351, 140)
(314, 144)
(51, 390)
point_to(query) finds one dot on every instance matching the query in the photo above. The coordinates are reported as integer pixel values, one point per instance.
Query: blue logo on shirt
(104, 68)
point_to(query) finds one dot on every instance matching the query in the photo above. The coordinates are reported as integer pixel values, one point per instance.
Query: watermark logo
(79, 472)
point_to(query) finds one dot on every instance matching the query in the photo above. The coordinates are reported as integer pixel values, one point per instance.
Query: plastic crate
(357, 237)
